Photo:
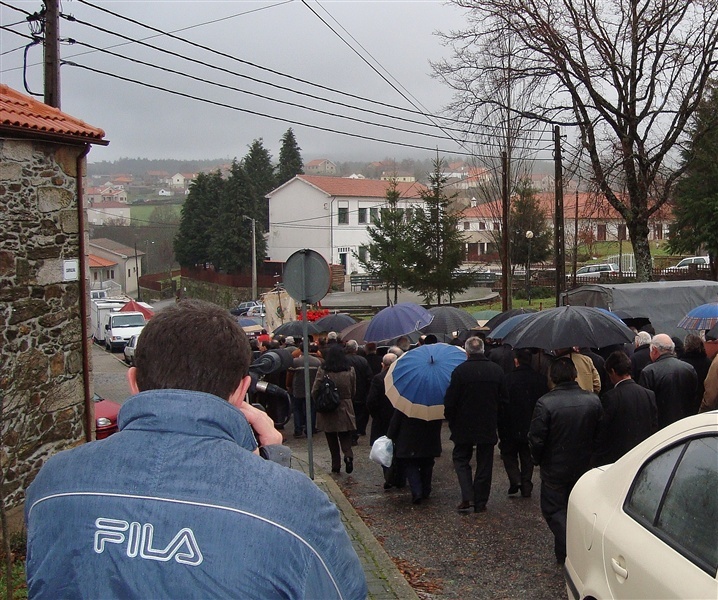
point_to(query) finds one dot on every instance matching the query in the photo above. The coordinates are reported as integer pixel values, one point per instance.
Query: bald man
(669, 378)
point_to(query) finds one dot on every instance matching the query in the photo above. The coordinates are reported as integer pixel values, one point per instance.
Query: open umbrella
(133, 306)
(397, 320)
(501, 331)
(417, 381)
(713, 333)
(295, 329)
(355, 332)
(568, 326)
(249, 324)
(494, 322)
(704, 316)
(486, 314)
(335, 322)
(448, 319)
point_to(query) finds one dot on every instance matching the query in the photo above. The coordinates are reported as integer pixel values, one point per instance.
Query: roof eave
(34, 134)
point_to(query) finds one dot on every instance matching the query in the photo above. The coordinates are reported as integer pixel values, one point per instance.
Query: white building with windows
(329, 215)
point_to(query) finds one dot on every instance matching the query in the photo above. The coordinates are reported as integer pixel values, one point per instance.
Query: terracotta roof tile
(97, 262)
(360, 188)
(23, 113)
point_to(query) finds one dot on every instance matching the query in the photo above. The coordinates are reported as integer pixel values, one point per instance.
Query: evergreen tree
(696, 200)
(200, 210)
(437, 246)
(260, 180)
(388, 246)
(527, 215)
(290, 158)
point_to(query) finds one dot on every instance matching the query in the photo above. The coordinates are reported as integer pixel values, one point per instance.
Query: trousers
(478, 486)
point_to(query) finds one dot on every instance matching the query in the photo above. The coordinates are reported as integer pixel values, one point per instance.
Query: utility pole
(505, 263)
(558, 238)
(254, 255)
(52, 53)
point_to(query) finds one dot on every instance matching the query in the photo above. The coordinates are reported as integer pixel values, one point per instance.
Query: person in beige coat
(588, 378)
(710, 386)
(338, 425)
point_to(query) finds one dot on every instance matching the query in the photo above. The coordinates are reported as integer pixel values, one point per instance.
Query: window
(343, 216)
(658, 231)
(601, 232)
(497, 226)
(621, 232)
(409, 215)
(112, 273)
(674, 495)
(467, 226)
(363, 253)
(374, 214)
(129, 272)
(482, 225)
(362, 215)
(95, 275)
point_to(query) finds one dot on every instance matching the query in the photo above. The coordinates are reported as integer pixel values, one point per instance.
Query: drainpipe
(331, 230)
(84, 296)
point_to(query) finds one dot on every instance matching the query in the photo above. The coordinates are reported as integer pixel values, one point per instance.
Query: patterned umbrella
(417, 381)
(397, 320)
(448, 319)
(704, 316)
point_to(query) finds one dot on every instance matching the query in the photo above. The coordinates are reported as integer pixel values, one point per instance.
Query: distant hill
(140, 166)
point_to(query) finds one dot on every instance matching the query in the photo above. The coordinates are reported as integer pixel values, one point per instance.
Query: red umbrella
(133, 306)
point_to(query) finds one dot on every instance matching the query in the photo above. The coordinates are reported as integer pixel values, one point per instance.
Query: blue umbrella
(500, 331)
(704, 316)
(417, 381)
(397, 320)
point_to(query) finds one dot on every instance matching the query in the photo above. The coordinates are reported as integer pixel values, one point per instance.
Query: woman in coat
(416, 444)
(339, 424)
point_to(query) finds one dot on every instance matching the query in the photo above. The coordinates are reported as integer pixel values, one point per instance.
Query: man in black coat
(629, 413)
(525, 386)
(363, 378)
(561, 437)
(642, 354)
(670, 379)
(471, 405)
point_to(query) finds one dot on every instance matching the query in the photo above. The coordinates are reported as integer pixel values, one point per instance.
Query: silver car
(129, 350)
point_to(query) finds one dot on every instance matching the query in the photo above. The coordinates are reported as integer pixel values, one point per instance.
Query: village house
(45, 372)
(102, 272)
(329, 215)
(129, 262)
(321, 166)
(108, 213)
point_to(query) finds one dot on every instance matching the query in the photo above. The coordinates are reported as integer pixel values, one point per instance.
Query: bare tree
(493, 108)
(628, 73)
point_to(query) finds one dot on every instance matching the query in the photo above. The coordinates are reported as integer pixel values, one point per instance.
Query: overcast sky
(281, 36)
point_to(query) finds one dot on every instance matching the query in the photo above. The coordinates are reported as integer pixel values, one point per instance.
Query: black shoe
(479, 509)
(465, 505)
(349, 462)
(513, 489)
(388, 486)
(416, 500)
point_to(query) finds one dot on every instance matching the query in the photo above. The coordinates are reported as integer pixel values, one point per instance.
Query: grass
(18, 581)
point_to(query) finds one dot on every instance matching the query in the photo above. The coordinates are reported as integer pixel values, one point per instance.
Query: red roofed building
(321, 166)
(329, 215)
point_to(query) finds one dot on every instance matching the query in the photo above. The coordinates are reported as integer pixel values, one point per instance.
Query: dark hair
(619, 363)
(524, 356)
(431, 339)
(335, 360)
(195, 346)
(693, 344)
(562, 370)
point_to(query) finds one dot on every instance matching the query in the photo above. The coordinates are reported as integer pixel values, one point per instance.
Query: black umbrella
(568, 326)
(295, 329)
(335, 322)
(448, 319)
(713, 333)
(494, 322)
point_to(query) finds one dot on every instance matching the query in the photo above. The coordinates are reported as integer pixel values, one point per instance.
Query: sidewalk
(384, 580)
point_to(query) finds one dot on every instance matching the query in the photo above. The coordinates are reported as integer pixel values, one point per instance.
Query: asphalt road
(504, 553)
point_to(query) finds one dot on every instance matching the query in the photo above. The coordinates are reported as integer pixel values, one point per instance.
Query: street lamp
(254, 255)
(529, 237)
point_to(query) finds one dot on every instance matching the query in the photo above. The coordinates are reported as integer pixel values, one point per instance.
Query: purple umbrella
(704, 316)
(397, 320)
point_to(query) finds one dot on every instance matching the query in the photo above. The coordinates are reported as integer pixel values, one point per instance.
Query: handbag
(382, 451)
(327, 397)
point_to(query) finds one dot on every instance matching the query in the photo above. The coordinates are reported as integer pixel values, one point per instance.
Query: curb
(384, 580)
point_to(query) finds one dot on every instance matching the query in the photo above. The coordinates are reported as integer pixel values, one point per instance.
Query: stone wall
(41, 382)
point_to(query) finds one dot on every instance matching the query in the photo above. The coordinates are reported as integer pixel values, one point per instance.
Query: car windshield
(128, 321)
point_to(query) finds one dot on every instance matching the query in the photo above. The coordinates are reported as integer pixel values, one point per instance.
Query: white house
(329, 215)
(106, 213)
(128, 261)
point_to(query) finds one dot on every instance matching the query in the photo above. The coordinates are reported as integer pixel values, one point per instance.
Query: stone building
(44, 339)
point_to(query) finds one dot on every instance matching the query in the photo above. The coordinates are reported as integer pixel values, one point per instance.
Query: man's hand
(262, 424)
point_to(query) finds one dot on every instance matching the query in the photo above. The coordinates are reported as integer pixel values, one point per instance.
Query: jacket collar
(190, 413)
(480, 356)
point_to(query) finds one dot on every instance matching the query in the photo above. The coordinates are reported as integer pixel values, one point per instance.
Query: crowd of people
(563, 411)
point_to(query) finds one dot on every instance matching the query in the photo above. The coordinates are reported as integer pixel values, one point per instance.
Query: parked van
(119, 327)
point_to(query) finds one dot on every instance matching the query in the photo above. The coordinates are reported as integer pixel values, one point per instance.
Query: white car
(595, 271)
(646, 527)
(256, 311)
(130, 348)
(699, 261)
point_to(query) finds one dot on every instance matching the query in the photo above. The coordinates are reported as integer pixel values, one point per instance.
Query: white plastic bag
(382, 451)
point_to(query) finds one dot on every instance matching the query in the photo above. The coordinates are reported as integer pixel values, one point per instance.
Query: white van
(119, 327)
